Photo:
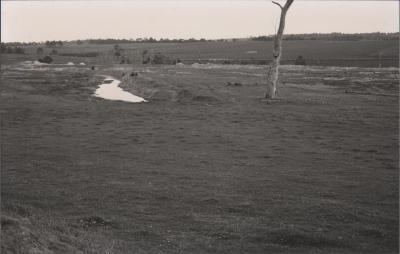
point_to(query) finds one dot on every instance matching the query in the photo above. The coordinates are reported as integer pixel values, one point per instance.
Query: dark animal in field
(134, 74)
(93, 68)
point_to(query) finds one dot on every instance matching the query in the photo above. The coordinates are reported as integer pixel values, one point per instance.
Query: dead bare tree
(273, 73)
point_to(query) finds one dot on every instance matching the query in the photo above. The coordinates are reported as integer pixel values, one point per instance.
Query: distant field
(316, 52)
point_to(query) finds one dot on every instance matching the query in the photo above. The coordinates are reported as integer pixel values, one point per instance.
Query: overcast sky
(69, 20)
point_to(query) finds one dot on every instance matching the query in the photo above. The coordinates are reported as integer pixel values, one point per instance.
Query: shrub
(46, 59)
(159, 59)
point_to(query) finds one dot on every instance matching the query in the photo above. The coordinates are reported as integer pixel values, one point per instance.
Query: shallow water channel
(110, 90)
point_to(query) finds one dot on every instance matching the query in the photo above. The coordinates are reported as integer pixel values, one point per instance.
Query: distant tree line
(313, 36)
(53, 43)
(11, 50)
(21, 43)
(333, 37)
(151, 40)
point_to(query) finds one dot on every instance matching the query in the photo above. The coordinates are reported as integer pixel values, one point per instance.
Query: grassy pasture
(204, 167)
(316, 52)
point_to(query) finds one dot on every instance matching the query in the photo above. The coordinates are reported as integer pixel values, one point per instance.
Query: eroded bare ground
(206, 166)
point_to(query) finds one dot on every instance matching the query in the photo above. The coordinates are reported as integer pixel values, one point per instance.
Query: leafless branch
(280, 6)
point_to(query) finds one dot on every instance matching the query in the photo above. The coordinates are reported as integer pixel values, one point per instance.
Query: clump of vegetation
(46, 59)
(157, 58)
(54, 43)
(233, 84)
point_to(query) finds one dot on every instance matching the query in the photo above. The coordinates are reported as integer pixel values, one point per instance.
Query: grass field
(323, 53)
(204, 166)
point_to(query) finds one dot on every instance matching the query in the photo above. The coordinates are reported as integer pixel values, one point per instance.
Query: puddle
(110, 90)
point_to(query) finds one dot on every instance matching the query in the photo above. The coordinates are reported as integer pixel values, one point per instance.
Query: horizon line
(226, 38)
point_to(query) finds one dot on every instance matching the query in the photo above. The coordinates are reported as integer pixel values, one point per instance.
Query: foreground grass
(205, 167)
(25, 231)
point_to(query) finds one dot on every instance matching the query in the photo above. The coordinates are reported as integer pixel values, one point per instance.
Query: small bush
(46, 59)
(159, 58)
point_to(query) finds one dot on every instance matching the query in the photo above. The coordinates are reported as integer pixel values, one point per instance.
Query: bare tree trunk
(273, 72)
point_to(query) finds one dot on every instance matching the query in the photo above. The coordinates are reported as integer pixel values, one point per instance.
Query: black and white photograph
(199, 126)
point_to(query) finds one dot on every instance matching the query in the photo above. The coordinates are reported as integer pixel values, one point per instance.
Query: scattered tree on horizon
(273, 73)
(54, 43)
